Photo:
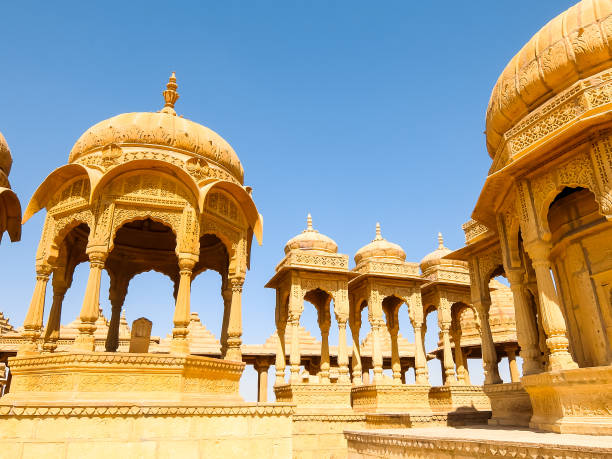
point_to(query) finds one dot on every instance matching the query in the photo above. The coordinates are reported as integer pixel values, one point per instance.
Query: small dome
(435, 257)
(574, 45)
(380, 248)
(311, 239)
(6, 160)
(162, 129)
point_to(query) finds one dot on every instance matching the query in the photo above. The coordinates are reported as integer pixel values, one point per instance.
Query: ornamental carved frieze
(556, 114)
(381, 267)
(198, 168)
(329, 261)
(473, 229)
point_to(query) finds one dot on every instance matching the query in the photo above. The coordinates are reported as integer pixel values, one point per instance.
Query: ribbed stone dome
(574, 45)
(6, 160)
(311, 239)
(435, 258)
(380, 248)
(163, 130)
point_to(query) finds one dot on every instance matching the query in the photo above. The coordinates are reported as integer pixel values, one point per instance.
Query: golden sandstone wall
(131, 432)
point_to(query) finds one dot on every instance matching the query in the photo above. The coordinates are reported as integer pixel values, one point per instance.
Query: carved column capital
(186, 265)
(539, 251)
(43, 271)
(237, 283)
(516, 276)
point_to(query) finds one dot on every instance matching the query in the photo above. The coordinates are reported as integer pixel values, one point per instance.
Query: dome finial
(309, 223)
(170, 95)
(378, 234)
(440, 241)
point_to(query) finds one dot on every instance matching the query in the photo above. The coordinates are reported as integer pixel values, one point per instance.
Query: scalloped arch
(11, 213)
(56, 180)
(254, 218)
(150, 165)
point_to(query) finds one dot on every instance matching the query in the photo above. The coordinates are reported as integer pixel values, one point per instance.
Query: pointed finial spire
(440, 241)
(378, 234)
(309, 223)
(170, 95)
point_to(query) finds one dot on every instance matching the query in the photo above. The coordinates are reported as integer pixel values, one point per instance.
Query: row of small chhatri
(153, 190)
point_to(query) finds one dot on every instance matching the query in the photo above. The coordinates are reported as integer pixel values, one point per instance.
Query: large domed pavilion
(144, 191)
(543, 219)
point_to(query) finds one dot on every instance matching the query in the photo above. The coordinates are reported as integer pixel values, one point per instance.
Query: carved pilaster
(234, 327)
(32, 324)
(182, 310)
(552, 317)
(91, 303)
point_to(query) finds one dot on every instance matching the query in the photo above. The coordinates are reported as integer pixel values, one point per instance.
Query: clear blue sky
(354, 111)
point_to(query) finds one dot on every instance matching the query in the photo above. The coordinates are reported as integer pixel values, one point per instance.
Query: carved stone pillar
(526, 324)
(324, 324)
(226, 294)
(448, 363)
(234, 325)
(32, 324)
(294, 356)
(355, 325)
(52, 332)
(343, 370)
(420, 362)
(395, 357)
(515, 376)
(377, 360)
(116, 295)
(182, 310)
(466, 373)
(489, 355)
(262, 380)
(459, 358)
(279, 364)
(552, 317)
(365, 374)
(90, 310)
(404, 369)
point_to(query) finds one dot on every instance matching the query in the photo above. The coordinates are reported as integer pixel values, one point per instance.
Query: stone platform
(481, 442)
(98, 405)
(510, 404)
(571, 401)
(315, 396)
(387, 397)
(75, 376)
(409, 420)
(322, 413)
(446, 399)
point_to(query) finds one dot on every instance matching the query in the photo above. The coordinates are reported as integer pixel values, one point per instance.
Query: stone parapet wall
(448, 443)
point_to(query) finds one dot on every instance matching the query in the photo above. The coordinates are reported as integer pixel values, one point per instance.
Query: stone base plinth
(103, 430)
(100, 376)
(315, 396)
(572, 401)
(391, 398)
(510, 404)
(411, 420)
(447, 399)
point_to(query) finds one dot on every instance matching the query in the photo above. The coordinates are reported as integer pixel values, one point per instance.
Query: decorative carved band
(131, 410)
